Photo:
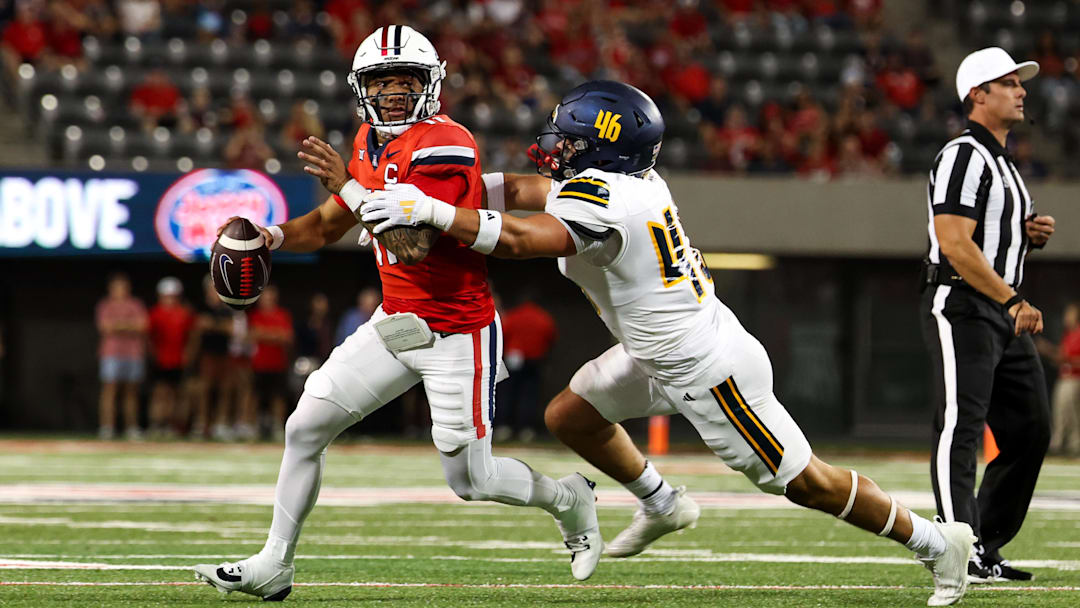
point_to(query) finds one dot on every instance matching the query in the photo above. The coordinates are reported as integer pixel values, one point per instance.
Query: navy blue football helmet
(601, 124)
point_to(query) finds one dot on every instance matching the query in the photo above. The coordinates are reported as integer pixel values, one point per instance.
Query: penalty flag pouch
(404, 331)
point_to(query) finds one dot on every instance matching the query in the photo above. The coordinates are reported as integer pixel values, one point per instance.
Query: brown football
(240, 264)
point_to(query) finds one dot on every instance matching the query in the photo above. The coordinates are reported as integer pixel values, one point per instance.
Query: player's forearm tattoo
(410, 246)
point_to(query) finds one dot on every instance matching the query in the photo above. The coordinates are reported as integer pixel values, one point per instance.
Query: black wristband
(1016, 299)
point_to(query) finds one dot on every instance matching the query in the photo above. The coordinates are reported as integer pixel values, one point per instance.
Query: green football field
(115, 524)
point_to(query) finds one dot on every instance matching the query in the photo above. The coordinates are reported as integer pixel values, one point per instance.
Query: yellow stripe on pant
(752, 429)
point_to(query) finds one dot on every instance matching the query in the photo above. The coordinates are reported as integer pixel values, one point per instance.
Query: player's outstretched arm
(486, 231)
(515, 192)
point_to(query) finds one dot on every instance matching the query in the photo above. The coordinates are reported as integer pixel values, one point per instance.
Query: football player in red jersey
(437, 324)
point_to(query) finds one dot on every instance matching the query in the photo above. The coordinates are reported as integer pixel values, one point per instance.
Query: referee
(976, 324)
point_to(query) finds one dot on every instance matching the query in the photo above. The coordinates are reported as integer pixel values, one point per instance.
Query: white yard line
(22, 493)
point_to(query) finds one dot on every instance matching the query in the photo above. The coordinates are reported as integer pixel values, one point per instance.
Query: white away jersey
(636, 265)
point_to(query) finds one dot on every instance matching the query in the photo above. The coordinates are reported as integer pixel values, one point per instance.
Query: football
(240, 264)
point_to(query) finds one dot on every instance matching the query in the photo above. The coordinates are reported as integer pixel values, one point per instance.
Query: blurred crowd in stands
(193, 367)
(821, 88)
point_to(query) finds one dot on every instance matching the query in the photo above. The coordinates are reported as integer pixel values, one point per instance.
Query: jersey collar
(986, 138)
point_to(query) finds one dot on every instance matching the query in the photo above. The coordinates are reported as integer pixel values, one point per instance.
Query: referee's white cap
(989, 64)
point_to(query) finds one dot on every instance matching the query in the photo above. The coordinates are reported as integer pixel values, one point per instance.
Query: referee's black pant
(983, 374)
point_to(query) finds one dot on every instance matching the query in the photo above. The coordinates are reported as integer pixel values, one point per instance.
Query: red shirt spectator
(170, 327)
(128, 311)
(1070, 354)
(691, 81)
(26, 35)
(901, 84)
(688, 24)
(156, 96)
(272, 329)
(528, 331)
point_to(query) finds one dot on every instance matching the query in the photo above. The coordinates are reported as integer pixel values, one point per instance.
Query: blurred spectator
(214, 328)
(156, 100)
(66, 26)
(818, 165)
(872, 138)
(302, 24)
(247, 148)
(198, 112)
(732, 146)
(866, 14)
(229, 424)
(100, 19)
(315, 333)
(900, 83)
(25, 39)
(918, 57)
(715, 107)
(528, 334)
(367, 301)
(272, 335)
(171, 324)
(769, 160)
(210, 21)
(122, 322)
(303, 122)
(850, 161)
(139, 18)
(1066, 401)
(1051, 63)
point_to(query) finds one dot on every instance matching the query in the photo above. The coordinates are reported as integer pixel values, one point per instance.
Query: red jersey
(270, 355)
(169, 329)
(448, 288)
(528, 330)
(1070, 354)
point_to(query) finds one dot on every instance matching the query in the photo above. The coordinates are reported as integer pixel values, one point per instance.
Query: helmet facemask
(554, 151)
(425, 103)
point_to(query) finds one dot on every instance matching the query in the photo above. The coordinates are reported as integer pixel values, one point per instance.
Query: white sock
(653, 492)
(926, 540)
(312, 427)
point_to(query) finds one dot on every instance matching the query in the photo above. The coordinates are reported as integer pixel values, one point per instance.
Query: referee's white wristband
(353, 194)
(277, 237)
(490, 229)
(495, 183)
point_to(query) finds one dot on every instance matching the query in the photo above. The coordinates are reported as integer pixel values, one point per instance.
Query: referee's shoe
(980, 573)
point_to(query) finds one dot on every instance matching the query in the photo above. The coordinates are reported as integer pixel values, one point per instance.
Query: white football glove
(405, 205)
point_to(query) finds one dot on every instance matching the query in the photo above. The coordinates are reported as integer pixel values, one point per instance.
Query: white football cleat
(647, 527)
(580, 528)
(950, 569)
(256, 575)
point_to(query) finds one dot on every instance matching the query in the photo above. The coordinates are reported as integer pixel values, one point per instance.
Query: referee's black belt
(940, 274)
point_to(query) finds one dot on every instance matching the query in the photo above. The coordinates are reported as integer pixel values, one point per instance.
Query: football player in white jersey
(612, 223)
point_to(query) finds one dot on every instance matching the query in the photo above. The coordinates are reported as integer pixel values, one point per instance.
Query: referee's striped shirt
(975, 177)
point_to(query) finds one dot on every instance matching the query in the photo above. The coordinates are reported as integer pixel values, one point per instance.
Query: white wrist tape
(892, 518)
(442, 214)
(490, 229)
(495, 183)
(277, 237)
(851, 498)
(353, 194)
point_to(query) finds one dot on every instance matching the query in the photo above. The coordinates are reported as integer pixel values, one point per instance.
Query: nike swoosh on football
(389, 153)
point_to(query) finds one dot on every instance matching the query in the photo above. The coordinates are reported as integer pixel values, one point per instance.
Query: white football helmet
(397, 48)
